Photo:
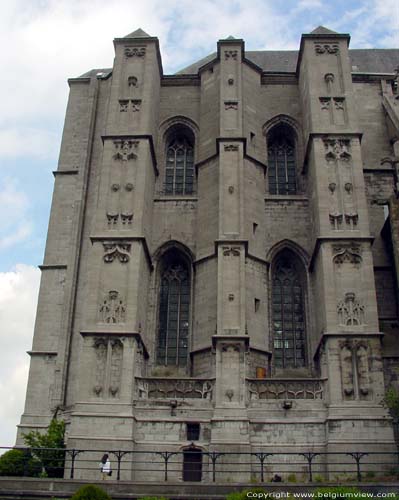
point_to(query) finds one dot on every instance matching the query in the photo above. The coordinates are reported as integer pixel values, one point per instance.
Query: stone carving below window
(230, 54)
(174, 388)
(326, 48)
(231, 251)
(355, 370)
(134, 51)
(350, 311)
(113, 308)
(278, 389)
(230, 147)
(116, 250)
(125, 149)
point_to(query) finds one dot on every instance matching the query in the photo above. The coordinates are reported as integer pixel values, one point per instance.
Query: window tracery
(281, 160)
(179, 170)
(288, 315)
(174, 312)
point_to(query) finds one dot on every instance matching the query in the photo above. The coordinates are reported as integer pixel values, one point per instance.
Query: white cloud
(15, 224)
(29, 142)
(18, 299)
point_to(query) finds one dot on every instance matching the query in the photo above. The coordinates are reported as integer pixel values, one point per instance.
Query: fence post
(119, 455)
(309, 457)
(358, 456)
(262, 457)
(166, 455)
(73, 453)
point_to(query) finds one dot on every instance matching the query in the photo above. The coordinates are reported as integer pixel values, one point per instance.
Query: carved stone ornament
(231, 105)
(174, 388)
(339, 103)
(350, 253)
(325, 102)
(231, 147)
(231, 251)
(116, 250)
(125, 149)
(350, 311)
(113, 308)
(115, 187)
(354, 358)
(123, 105)
(329, 78)
(108, 366)
(230, 54)
(134, 51)
(132, 81)
(278, 389)
(326, 48)
(136, 104)
(129, 186)
(126, 218)
(337, 149)
(112, 218)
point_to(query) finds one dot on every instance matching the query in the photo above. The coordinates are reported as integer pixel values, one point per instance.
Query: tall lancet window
(174, 311)
(288, 314)
(179, 171)
(281, 160)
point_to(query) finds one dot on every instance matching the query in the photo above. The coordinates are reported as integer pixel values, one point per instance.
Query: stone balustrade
(174, 388)
(278, 388)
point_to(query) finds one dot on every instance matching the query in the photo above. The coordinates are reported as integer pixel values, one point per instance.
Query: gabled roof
(138, 34)
(322, 30)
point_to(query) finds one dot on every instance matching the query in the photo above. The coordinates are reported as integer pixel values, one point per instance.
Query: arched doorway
(192, 464)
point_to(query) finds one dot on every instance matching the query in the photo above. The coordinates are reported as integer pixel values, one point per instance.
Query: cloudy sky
(46, 41)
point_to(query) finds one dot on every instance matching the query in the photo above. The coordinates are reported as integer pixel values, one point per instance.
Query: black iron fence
(196, 464)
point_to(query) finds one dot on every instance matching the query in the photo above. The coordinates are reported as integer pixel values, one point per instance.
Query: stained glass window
(288, 315)
(179, 172)
(174, 314)
(281, 161)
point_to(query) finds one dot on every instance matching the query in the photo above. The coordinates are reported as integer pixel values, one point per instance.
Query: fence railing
(197, 464)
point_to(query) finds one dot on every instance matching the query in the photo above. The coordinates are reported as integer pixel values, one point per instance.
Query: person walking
(105, 466)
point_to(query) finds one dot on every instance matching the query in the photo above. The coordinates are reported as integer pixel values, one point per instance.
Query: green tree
(48, 447)
(90, 492)
(19, 463)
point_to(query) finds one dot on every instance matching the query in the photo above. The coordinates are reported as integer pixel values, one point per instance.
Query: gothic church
(221, 268)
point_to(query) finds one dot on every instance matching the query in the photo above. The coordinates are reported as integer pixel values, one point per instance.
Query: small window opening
(193, 432)
(254, 227)
(256, 304)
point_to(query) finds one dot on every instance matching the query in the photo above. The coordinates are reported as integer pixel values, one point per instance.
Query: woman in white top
(105, 466)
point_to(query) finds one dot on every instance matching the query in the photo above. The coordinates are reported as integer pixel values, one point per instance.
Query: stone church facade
(222, 258)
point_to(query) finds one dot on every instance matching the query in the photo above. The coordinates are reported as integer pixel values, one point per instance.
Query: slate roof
(362, 60)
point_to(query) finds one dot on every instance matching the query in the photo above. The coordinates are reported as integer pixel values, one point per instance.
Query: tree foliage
(48, 447)
(391, 401)
(19, 463)
(90, 492)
